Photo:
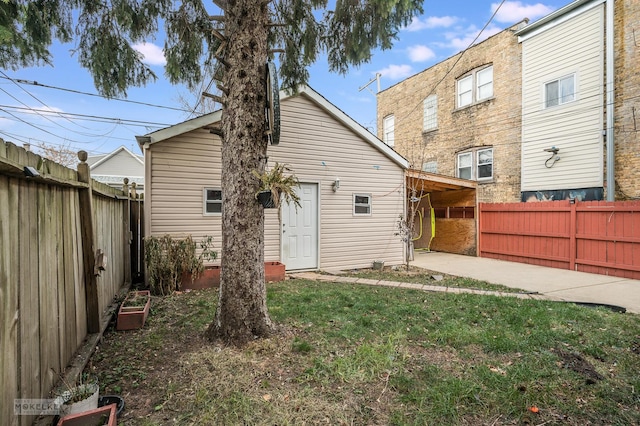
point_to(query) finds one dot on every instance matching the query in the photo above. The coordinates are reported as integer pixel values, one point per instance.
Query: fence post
(572, 235)
(88, 255)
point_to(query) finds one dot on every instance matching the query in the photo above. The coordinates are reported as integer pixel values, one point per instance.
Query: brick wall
(495, 122)
(627, 105)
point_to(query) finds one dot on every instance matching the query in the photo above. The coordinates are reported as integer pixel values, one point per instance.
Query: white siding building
(563, 103)
(340, 225)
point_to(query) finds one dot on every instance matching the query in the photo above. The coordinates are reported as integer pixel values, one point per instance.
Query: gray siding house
(352, 187)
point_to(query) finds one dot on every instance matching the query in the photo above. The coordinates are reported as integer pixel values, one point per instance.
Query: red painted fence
(593, 236)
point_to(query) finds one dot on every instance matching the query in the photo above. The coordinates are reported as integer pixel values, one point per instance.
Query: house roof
(557, 17)
(208, 120)
(95, 160)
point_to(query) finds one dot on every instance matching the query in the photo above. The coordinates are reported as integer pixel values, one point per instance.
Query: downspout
(611, 184)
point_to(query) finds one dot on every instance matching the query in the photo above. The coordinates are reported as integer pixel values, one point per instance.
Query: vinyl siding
(319, 149)
(574, 46)
(180, 169)
(121, 164)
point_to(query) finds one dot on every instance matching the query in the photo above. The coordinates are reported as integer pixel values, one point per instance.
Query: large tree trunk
(242, 311)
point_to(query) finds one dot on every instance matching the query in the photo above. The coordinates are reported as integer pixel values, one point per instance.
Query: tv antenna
(366, 86)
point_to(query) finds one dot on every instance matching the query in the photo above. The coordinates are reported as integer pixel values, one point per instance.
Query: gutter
(610, 108)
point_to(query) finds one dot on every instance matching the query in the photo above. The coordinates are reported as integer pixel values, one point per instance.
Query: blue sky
(55, 115)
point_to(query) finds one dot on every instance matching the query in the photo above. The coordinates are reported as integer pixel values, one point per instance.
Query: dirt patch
(576, 362)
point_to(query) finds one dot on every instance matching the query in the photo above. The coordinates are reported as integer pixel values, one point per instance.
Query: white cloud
(515, 11)
(460, 40)
(418, 24)
(396, 72)
(420, 53)
(151, 53)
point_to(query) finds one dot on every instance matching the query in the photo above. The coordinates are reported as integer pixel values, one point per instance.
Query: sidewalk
(555, 284)
(538, 282)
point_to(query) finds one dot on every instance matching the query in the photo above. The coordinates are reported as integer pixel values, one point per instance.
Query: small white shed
(352, 187)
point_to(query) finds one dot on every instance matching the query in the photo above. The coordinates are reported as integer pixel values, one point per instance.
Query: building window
(560, 91)
(388, 130)
(475, 86)
(476, 164)
(431, 113)
(362, 204)
(430, 166)
(212, 201)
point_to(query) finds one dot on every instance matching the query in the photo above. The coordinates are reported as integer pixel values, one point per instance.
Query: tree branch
(276, 50)
(222, 4)
(215, 98)
(222, 61)
(219, 18)
(219, 35)
(217, 132)
(223, 89)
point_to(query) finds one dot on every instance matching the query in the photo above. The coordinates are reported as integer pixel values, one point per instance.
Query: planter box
(133, 317)
(273, 271)
(265, 198)
(97, 417)
(209, 278)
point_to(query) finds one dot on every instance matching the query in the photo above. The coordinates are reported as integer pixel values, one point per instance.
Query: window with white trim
(212, 201)
(430, 120)
(560, 91)
(362, 204)
(475, 86)
(388, 130)
(476, 164)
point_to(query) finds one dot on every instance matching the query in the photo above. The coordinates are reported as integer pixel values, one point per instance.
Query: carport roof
(430, 182)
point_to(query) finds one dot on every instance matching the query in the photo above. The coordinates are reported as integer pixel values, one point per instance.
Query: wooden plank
(79, 287)
(68, 242)
(47, 285)
(9, 308)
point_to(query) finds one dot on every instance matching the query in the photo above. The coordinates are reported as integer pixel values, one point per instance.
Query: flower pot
(97, 417)
(274, 271)
(265, 198)
(69, 406)
(134, 317)
(210, 277)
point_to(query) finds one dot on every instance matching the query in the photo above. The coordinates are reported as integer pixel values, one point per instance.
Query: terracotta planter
(273, 271)
(134, 317)
(100, 416)
(209, 278)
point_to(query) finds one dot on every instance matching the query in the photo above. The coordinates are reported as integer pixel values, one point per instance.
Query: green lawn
(360, 355)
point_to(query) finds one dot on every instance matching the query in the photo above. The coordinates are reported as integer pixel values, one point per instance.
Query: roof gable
(211, 118)
(101, 159)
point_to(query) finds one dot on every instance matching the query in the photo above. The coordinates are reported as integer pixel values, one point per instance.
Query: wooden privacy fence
(64, 255)
(593, 236)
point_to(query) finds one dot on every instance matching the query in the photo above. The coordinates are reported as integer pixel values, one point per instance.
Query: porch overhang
(425, 182)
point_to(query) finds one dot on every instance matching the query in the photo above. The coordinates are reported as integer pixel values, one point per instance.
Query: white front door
(300, 230)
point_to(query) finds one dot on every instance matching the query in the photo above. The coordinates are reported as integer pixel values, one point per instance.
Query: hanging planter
(275, 185)
(266, 199)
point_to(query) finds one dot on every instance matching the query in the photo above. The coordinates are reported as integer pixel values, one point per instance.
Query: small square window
(475, 87)
(476, 164)
(560, 91)
(362, 204)
(212, 201)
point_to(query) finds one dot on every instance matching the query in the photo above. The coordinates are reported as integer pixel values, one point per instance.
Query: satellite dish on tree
(272, 107)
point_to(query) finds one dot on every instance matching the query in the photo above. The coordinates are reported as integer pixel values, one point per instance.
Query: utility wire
(34, 97)
(35, 83)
